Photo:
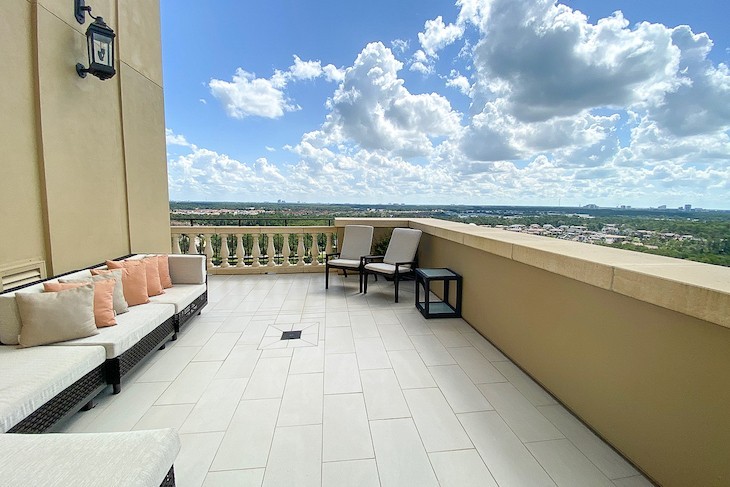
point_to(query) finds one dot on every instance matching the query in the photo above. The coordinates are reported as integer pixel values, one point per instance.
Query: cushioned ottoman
(129, 459)
(40, 386)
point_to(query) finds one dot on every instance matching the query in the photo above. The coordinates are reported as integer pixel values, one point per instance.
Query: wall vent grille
(16, 275)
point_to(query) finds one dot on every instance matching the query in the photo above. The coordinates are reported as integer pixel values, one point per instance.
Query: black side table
(437, 309)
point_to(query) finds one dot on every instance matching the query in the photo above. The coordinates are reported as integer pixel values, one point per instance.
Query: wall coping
(692, 288)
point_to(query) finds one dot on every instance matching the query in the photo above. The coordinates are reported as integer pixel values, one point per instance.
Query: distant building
(687, 207)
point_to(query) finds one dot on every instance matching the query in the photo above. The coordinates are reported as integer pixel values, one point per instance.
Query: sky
(480, 102)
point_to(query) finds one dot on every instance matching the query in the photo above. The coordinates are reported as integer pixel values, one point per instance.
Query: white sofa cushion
(353, 264)
(187, 269)
(32, 376)
(131, 328)
(403, 245)
(180, 295)
(130, 459)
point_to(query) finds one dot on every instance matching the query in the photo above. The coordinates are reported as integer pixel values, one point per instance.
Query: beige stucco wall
(85, 174)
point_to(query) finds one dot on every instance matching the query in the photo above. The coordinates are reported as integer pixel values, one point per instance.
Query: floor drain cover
(291, 335)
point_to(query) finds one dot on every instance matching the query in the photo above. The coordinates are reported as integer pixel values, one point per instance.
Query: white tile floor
(372, 395)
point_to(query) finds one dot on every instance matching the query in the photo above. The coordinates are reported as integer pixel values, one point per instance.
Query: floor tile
(302, 401)
(603, 456)
(337, 318)
(239, 364)
(190, 384)
(198, 335)
(507, 458)
(525, 420)
(399, 454)
(528, 387)
(339, 340)
(345, 412)
(218, 347)
(341, 374)
(307, 360)
(385, 317)
(431, 350)
(364, 326)
(351, 473)
(371, 353)
(489, 351)
(216, 406)
(196, 453)
(157, 417)
(296, 457)
(394, 337)
(127, 407)
(268, 378)
(236, 323)
(383, 396)
(436, 423)
(463, 468)
(254, 332)
(410, 369)
(248, 438)
(460, 392)
(170, 365)
(566, 465)
(235, 478)
(479, 369)
(451, 338)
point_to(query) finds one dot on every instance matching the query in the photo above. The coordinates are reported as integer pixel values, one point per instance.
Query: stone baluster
(225, 251)
(271, 250)
(176, 244)
(300, 250)
(208, 249)
(285, 250)
(315, 250)
(328, 245)
(191, 244)
(240, 251)
(256, 251)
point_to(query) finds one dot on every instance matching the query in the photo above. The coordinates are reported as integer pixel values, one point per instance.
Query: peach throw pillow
(152, 272)
(163, 263)
(134, 283)
(103, 299)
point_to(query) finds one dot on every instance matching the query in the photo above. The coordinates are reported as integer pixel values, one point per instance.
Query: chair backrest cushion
(356, 242)
(403, 245)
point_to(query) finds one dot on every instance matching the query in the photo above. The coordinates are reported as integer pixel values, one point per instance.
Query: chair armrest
(367, 259)
(328, 256)
(398, 264)
(187, 269)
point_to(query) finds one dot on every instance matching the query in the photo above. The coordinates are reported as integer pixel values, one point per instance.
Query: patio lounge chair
(399, 259)
(356, 243)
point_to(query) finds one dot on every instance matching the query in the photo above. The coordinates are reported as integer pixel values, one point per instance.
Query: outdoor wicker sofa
(44, 391)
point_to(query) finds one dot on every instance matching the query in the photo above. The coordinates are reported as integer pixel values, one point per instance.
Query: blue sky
(517, 102)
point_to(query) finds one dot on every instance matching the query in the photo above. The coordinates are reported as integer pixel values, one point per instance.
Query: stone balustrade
(257, 250)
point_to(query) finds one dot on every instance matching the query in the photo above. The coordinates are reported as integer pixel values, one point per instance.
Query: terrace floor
(372, 394)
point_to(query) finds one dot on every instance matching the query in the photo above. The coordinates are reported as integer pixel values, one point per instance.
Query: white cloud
(270, 149)
(437, 35)
(400, 45)
(246, 95)
(459, 81)
(372, 109)
(305, 69)
(421, 63)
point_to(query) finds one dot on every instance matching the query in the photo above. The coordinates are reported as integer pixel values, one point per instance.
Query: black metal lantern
(100, 45)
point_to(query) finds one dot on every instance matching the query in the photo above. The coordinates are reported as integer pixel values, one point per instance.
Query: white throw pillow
(56, 317)
(120, 304)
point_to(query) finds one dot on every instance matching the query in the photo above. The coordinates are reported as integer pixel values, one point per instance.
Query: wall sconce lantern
(100, 44)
